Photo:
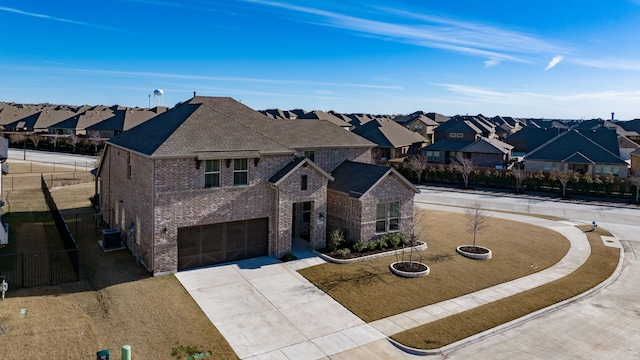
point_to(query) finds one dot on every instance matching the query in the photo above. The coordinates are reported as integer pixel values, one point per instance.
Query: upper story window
(240, 172)
(310, 154)
(211, 173)
(304, 182)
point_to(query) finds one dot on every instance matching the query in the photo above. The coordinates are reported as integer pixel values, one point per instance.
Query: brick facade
(156, 197)
(357, 217)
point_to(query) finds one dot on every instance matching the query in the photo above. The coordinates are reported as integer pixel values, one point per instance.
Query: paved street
(603, 326)
(70, 161)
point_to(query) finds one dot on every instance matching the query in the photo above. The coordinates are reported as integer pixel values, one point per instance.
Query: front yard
(370, 291)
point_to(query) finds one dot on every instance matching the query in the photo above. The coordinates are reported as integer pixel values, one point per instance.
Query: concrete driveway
(266, 310)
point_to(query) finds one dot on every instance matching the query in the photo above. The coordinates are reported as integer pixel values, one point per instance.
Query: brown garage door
(217, 243)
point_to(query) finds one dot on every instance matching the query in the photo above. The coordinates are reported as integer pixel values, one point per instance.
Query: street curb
(509, 325)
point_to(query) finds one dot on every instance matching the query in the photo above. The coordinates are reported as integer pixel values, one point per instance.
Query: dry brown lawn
(114, 304)
(370, 291)
(598, 267)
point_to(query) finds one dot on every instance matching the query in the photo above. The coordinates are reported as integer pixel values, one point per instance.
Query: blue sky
(552, 59)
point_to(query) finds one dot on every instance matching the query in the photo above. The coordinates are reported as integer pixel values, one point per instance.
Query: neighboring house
(468, 128)
(60, 121)
(321, 115)
(574, 151)
(124, 119)
(484, 152)
(635, 160)
(420, 123)
(279, 114)
(212, 181)
(393, 141)
(529, 138)
(632, 129)
(439, 118)
(505, 126)
(626, 147)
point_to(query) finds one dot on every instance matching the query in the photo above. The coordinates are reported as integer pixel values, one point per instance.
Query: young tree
(634, 178)
(73, 140)
(464, 166)
(417, 163)
(35, 138)
(564, 176)
(93, 137)
(476, 220)
(519, 175)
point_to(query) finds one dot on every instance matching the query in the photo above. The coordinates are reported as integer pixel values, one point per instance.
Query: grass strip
(599, 266)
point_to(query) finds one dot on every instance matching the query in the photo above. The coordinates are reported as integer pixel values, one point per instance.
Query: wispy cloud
(533, 98)
(166, 76)
(429, 31)
(53, 18)
(554, 61)
(608, 63)
(492, 62)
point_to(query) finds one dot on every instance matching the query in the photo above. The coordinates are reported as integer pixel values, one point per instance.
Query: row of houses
(94, 121)
(490, 142)
(212, 180)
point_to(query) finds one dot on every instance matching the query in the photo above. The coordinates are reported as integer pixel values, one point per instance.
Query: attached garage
(218, 243)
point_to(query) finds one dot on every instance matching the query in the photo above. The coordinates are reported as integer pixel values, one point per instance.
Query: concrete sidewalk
(266, 310)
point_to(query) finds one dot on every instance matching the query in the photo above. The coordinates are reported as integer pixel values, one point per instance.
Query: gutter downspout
(277, 217)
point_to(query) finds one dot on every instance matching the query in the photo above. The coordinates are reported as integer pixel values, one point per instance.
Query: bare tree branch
(417, 163)
(476, 220)
(519, 175)
(564, 176)
(464, 166)
(634, 178)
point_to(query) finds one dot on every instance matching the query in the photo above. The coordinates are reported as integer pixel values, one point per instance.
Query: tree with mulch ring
(410, 268)
(476, 223)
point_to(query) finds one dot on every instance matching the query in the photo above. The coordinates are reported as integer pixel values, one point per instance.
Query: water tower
(157, 94)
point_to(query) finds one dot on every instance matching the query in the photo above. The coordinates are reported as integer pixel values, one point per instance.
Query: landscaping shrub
(360, 246)
(343, 252)
(336, 239)
(395, 239)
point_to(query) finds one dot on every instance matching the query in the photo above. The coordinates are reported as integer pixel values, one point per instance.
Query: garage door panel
(212, 238)
(190, 241)
(217, 243)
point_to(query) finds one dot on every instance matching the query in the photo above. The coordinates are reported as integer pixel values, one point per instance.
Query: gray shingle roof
(388, 133)
(567, 144)
(292, 166)
(488, 146)
(356, 179)
(217, 124)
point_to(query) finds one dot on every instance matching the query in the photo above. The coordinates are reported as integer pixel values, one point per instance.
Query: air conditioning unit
(111, 238)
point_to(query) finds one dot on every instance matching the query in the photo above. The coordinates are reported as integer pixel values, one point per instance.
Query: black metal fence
(24, 270)
(46, 267)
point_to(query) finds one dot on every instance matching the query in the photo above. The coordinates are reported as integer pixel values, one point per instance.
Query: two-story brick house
(212, 181)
